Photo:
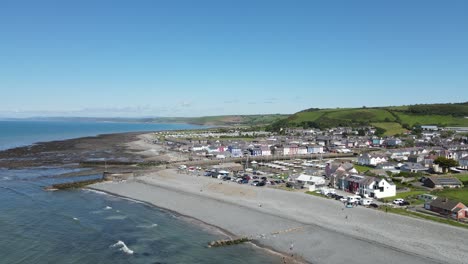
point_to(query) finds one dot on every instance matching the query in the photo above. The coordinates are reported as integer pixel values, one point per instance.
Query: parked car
(294, 185)
(255, 177)
(254, 183)
(373, 205)
(264, 178)
(404, 203)
(398, 201)
(226, 178)
(338, 197)
(343, 199)
(243, 181)
(262, 183)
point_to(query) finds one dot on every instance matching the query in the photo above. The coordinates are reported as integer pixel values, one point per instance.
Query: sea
(84, 226)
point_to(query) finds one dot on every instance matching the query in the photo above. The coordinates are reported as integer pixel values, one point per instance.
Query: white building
(370, 160)
(310, 180)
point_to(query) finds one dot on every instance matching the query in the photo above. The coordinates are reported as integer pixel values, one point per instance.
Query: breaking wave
(122, 247)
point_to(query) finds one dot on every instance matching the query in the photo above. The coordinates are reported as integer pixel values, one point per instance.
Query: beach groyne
(118, 176)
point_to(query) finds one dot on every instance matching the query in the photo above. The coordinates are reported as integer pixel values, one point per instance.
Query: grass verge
(405, 212)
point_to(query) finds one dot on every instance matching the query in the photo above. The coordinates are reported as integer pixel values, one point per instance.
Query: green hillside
(241, 120)
(392, 119)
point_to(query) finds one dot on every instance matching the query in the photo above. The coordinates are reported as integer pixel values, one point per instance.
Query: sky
(197, 58)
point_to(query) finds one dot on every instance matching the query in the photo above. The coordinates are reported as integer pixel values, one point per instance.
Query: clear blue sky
(192, 58)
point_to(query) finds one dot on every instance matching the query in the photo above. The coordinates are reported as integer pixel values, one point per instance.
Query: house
(450, 208)
(386, 166)
(413, 167)
(416, 158)
(393, 142)
(429, 128)
(265, 151)
(255, 151)
(442, 182)
(370, 160)
(286, 150)
(377, 141)
(315, 149)
(463, 163)
(293, 149)
(236, 151)
(367, 186)
(302, 150)
(277, 151)
(310, 180)
(323, 140)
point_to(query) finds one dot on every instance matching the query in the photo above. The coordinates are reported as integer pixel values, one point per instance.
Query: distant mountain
(394, 119)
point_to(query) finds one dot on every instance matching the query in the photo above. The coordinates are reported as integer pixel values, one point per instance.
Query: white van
(354, 199)
(365, 202)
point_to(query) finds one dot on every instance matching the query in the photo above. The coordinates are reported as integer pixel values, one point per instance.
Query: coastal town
(400, 191)
(423, 173)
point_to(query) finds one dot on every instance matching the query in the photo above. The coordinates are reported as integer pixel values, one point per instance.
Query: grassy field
(362, 168)
(391, 128)
(464, 179)
(309, 116)
(455, 194)
(401, 211)
(411, 196)
(412, 119)
(361, 114)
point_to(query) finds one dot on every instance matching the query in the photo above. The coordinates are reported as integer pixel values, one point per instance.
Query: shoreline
(374, 234)
(198, 222)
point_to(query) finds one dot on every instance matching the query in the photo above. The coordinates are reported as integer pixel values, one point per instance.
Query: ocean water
(82, 226)
(21, 133)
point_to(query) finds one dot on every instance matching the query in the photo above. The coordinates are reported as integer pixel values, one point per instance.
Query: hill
(393, 119)
(227, 120)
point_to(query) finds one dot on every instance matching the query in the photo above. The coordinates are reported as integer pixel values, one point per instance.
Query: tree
(380, 131)
(445, 163)
(361, 132)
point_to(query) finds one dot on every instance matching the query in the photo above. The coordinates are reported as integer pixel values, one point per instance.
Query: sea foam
(122, 247)
(147, 226)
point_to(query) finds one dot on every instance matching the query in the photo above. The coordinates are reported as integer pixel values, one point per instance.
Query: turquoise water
(21, 133)
(82, 226)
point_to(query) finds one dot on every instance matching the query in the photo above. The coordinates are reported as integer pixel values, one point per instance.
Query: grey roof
(444, 180)
(444, 203)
